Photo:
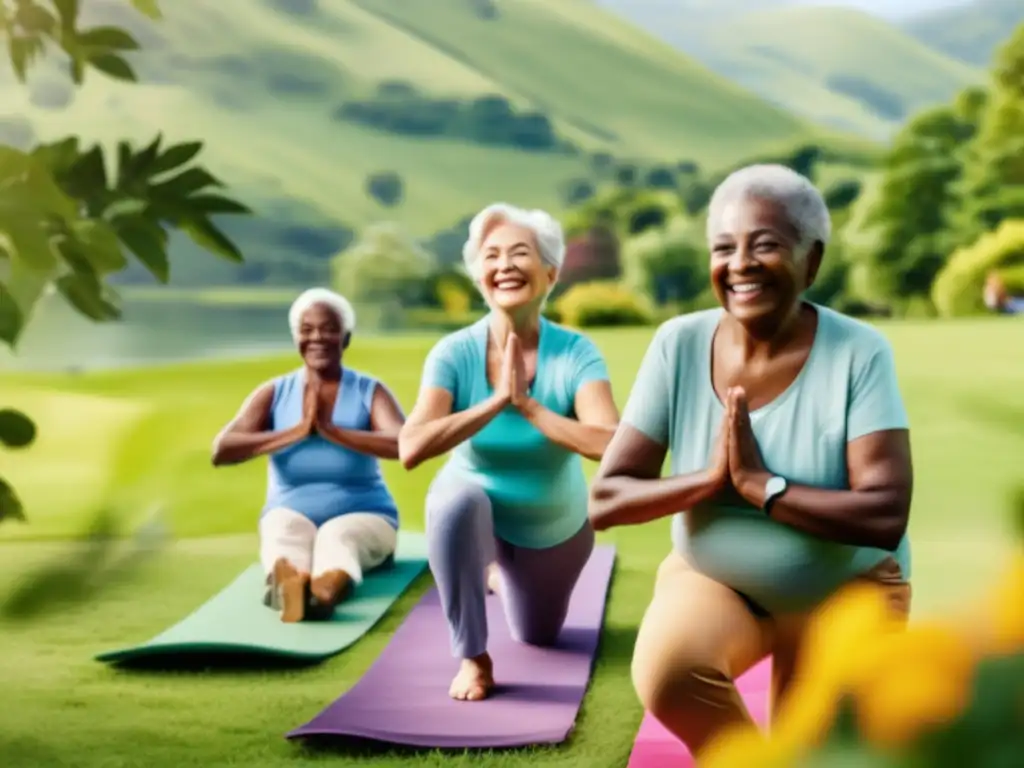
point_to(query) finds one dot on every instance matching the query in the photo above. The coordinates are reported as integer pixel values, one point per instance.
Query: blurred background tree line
(917, 228)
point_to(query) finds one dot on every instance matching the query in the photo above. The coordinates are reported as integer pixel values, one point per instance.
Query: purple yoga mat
(403, 697)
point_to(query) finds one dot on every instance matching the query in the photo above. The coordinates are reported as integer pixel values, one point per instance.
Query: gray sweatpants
(536, 584)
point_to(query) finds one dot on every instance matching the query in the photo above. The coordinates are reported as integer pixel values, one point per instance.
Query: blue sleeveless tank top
(318, 478)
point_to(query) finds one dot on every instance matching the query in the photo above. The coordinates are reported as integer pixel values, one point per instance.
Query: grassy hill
(970, 33)
(267, 84)
(835, 66)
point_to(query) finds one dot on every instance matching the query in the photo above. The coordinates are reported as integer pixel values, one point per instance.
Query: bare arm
(873, 513)
(432, 428)
(589, 433)
(629, 489)
(386, 420)
(246, 436)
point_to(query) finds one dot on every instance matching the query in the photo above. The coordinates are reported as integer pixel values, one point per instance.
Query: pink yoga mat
(657, 748)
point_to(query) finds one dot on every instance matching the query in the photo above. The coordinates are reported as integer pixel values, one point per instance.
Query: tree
(910, 215)
(993, 183)
(65, 224)
(385, 270)
(385, 187)
(670, 265)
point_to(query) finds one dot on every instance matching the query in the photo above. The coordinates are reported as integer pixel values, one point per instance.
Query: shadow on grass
(213, 662)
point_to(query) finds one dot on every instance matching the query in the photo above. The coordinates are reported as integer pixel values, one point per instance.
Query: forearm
(588, 440)
(238, 447)
(419, 442)
(383, 445)
(618, 501)
(863, 518)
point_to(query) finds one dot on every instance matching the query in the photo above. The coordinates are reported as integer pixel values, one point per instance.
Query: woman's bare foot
(289, 591)
(475, 679)
(325, 592)
(493, 576)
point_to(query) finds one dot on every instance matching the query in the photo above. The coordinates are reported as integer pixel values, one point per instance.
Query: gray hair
(335, 301)
(545, 228)
(803, 203)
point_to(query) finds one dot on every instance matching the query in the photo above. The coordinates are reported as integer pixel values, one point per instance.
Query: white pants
(353, 543)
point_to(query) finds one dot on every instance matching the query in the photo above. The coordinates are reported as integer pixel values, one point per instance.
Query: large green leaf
(205, 234)
(10, 505)
(16, 429)
(148, 241)
(107, 39)
(68, 12)
(186, 183)
(89, 296)
(113, 65)
(214, 204)
(12, 319)
(29, 200)
(96, 243)
(175, 156)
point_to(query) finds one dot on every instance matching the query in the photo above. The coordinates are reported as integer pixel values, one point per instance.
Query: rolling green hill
(299, 100)
(970, 33)
(835, 66)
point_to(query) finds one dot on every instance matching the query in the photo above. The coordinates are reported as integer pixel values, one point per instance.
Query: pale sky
(893, 9)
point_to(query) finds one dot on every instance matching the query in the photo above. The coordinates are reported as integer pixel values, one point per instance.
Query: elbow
(409, 452)
(217, 455)
(892, 532)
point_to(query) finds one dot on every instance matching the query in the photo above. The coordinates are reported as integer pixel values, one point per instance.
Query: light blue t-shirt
(537, 488)
(318, 478)
(846, 389)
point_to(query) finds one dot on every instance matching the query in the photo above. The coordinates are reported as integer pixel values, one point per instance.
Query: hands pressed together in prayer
(736, 459)
(316, 409)
(513, 386)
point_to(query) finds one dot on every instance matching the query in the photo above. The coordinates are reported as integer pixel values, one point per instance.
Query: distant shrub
(385, 187)
(604, 304)
(842, 194)
(660, 177)
(957, 289)
(578, 191)
(626, 175)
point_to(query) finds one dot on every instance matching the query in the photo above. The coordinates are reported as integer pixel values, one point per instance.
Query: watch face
(775, 486)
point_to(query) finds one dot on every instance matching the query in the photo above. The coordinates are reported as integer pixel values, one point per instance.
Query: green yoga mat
(236, 622)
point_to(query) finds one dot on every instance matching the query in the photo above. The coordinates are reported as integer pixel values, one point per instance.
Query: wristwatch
(775, 487)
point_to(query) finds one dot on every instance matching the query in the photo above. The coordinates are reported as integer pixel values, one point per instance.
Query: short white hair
(545, 228)
(335, 301)
(804, 205)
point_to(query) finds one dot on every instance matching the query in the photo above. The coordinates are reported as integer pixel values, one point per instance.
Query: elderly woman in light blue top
(328, 516)
(791, 472)
(520, 400)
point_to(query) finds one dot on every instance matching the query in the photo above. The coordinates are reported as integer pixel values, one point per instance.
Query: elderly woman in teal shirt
(791, 472)
(520, 400)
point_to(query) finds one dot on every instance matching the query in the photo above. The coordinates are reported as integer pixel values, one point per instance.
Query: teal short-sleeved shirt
(537, 488)
(846, 389)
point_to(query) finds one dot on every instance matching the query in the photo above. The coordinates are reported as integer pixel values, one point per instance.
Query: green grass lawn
(144, 436)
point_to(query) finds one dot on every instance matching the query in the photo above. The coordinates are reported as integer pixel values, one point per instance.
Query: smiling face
(512, 274)
(758, 269)
(322, 337)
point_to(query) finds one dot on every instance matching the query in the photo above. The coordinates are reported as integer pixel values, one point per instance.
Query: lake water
(150, 332)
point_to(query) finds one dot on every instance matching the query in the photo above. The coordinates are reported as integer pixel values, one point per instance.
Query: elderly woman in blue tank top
(791, 472)
(519, 399)
(328, 517)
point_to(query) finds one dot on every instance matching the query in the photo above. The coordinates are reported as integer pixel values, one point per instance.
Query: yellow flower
(838, 647)
(748, 747)
(1008, 609)
(913, 680)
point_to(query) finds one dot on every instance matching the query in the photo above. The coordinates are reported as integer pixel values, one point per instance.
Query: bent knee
(672, 688)
(455, 510)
